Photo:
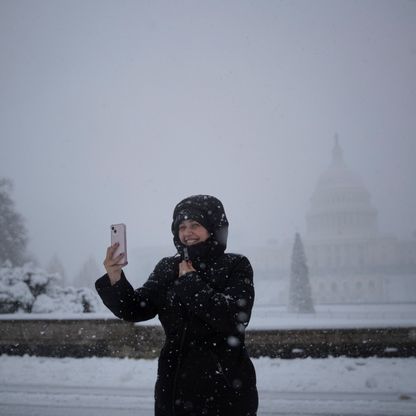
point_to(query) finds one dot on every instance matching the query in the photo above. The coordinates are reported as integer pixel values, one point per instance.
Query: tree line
(26, 287)
(14, 256)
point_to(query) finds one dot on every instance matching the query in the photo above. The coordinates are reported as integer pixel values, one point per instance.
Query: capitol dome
(340, 205)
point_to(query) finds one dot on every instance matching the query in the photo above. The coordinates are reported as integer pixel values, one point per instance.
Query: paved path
(43, 400)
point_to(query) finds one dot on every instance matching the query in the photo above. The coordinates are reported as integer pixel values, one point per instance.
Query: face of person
(192, 232)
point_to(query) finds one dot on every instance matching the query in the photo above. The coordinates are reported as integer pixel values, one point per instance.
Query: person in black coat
(203, 297)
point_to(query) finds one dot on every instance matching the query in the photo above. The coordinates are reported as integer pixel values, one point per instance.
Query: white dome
(341, 204)
(339, 176)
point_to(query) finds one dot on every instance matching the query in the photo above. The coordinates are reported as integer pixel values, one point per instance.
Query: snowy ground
(35, 386)
(277, 317)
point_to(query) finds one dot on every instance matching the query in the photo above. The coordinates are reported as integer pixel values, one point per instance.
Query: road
(44, 400)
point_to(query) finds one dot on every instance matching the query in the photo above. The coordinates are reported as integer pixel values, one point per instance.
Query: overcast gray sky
(113, 111)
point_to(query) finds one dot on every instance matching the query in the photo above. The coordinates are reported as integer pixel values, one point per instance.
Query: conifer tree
(55, 266)
(300, 297)
(13, 233)
(88, 274)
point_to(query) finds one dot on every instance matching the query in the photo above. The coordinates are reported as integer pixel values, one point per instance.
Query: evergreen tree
(300, 298)
(13, 234)
(55, 266)
(88, 274)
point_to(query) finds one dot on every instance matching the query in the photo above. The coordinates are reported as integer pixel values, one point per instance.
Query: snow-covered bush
(31, 289)
(15, 294)
(69, 299)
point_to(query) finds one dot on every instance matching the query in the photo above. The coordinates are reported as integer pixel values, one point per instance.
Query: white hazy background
(113, 111)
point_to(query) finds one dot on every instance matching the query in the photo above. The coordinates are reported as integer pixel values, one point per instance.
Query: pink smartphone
(118, 235)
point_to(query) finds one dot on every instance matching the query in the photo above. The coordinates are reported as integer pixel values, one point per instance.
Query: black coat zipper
(178, 366)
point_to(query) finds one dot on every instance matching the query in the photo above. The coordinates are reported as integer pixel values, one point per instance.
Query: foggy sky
(113, 111)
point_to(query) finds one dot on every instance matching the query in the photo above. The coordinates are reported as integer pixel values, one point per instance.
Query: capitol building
(349, 259)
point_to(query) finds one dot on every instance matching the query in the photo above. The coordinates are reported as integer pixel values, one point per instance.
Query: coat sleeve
(227, 311)
(129, 304)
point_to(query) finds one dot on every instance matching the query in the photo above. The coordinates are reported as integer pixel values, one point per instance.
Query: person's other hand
(185, 266)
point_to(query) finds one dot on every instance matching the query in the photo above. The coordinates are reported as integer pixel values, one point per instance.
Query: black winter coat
(204, 368)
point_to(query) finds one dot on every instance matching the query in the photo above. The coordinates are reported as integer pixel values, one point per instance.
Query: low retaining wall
(116, 338)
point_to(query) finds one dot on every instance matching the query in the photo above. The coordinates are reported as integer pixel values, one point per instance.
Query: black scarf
(209, 249)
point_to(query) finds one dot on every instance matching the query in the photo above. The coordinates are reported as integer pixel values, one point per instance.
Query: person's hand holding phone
(114, 264)
(116, 257)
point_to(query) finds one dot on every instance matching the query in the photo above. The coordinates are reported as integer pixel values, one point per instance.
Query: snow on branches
(31, 289)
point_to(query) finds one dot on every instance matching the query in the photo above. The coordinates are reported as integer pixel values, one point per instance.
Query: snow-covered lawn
(101, 386)
(277, 317)
(38, 386)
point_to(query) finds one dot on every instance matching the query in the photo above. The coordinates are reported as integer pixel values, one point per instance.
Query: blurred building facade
(349, 259)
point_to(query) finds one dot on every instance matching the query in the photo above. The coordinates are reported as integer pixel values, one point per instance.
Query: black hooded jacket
(204, 368)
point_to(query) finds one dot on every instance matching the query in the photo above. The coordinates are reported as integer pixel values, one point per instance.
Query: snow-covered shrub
(31, 289)
(90, 300)
(67, 300)
(39, 281)
(15, 297)
(15, 294)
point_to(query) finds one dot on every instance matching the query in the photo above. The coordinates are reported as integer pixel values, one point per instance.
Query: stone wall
(116, 338)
